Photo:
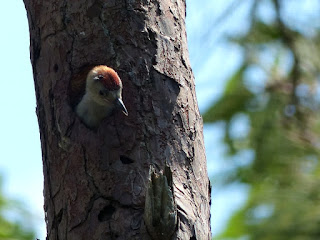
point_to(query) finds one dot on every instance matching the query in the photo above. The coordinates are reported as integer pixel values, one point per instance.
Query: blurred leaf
(18, 229)
(233, 101)
(260, 33)
(235, 228)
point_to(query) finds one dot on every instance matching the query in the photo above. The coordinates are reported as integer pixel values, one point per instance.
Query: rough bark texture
(95, 183)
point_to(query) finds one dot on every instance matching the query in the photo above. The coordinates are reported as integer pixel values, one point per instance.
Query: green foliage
(14, 229)
(284, 130)
(260, 33)
(234, 100)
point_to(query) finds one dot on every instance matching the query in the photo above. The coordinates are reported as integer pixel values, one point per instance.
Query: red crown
(108, 77)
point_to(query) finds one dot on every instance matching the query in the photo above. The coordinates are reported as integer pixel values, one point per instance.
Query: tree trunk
(96, 182)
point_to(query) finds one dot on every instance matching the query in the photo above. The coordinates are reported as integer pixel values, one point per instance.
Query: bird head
(105, 87)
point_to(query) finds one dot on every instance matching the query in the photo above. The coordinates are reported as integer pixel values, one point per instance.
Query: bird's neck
(92, 112)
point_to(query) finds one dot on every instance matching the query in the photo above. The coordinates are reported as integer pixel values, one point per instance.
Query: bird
(102, 95)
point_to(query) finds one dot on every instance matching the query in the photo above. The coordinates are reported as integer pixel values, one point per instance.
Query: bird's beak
(120, 105)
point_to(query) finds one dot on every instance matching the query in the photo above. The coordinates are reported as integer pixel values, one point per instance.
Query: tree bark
(95, 183)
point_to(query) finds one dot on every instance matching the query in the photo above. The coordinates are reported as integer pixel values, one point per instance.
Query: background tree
(96, 182)
(275, 91)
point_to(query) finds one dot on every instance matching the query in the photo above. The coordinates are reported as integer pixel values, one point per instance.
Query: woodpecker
(103, 94)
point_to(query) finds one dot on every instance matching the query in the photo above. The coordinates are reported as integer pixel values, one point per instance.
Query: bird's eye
(98, 78)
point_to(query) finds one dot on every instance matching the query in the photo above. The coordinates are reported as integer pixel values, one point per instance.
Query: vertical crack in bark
(88, 209)
(89, 176)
